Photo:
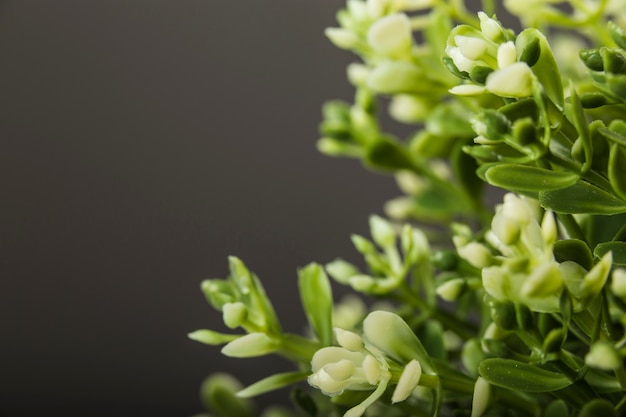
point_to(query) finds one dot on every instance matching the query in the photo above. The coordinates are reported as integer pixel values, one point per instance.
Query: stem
(571, 226)
(449, 321)
(298, 348)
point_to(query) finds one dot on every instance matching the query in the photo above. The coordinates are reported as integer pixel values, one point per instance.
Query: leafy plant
(515, 310)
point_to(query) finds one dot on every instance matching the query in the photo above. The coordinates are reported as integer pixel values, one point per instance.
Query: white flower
(513, 81)
(391, 35)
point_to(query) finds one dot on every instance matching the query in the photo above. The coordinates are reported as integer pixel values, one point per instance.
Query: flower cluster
(370, 362)
(516, 308)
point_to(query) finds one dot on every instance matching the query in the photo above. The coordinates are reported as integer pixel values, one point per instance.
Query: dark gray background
(141, 143)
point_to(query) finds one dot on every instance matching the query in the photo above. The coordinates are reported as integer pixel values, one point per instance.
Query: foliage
(516, 310)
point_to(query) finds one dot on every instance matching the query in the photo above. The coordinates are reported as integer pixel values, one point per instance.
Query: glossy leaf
(582, 127)
(573, 250)
(389, 155)
(524, 178)
(582, 197)
(598, 407)
(545, 67)
(520, 376)
(617, 248)
(272, 383)
(617, 169)
(317, 301)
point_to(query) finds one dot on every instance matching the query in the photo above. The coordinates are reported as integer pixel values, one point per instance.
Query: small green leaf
(210, 337)
(618, 249)
(544, 67)
(618, 34)
(557, 408)
(573, 250)
(582, 197)
(218, 395)
(523, 178)
(617, 164)
(388, 155)
(582, 127)
(520, 376)
(317, 301)
(272, 383)
(598, 407)
(304, 402)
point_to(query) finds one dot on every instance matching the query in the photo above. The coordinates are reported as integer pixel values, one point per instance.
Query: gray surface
(143, 141)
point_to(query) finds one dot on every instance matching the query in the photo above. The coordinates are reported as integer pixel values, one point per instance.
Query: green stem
(298, 348)
(571, 226)
(449, 321)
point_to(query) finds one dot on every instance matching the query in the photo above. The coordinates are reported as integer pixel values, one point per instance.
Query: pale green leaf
(317, 301)
(582, 197)
(520, 376)
(523, 178)
(272, 383)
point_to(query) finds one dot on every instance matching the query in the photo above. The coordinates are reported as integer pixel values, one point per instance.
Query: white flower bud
(476, 254)
(409, 109)
(545, 280)
(460, 60)
(490, 27)
(548, 228)
(512, 81)
(450, 290)
(382, 231)
(472, 48)
(395, 77)
(594, 280)
(602, 355)
(357, 74)
(342, 38)
(253, 344)
(234, 314)
(507, 54)
(391, 35)
(408, 381)
(376, 8)
(618, 283)
(467, 90)
(348, 340)
(362, 283)
(481, 398)
(372, 369)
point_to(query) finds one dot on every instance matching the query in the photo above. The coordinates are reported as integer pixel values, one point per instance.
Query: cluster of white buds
(524, 270)
(387, 353)
(490, 59)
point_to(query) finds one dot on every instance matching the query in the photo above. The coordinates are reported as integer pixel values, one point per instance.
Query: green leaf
(388, 155)
(618, 34)
(582, 197)
(272, 383)
(218, 395)
(573, 250)
(545, 67)
(317, 301)
(598, 407)
(557, 408)
(523, 178)
(304, 401)
(520, 376)
(582, 127)
(617, 169)
(618, 249)
(210, 337)
(613, 136)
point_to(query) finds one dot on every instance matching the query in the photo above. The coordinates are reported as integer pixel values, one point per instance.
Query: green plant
(515, 311)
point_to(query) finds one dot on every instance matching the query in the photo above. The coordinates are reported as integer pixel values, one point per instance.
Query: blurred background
(142, 142)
